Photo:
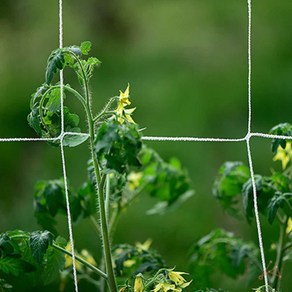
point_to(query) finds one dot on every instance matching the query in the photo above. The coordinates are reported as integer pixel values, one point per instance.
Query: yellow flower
(69, 261)
(88, 257)
(289, 226)
(84, 254)
(138, 284)
(134, 180)
(122, 112)
(164, 287)
(177, 278)
(129, 263)
(144, 246)
(284, 155)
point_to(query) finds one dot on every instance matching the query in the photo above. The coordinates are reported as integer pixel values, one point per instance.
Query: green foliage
(32, 253)
(45, 116)
(85, 47)
(284, 129)
(117, 146)
(168, 182)
(228, 184)
(222, 251)
(131, 260)
(39, 242)
(268, 189)
(279, 200)
(50, 200)
(54, 262)
(55, 62)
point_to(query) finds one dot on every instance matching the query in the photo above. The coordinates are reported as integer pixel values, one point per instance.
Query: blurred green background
(186, 62)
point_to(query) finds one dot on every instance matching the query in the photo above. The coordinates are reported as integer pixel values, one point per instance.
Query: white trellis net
(247, 139)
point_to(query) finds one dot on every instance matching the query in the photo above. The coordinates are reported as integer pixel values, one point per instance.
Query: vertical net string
(256, 212)
(62, 150)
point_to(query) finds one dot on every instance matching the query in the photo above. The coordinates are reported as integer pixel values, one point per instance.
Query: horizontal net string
(157, 138)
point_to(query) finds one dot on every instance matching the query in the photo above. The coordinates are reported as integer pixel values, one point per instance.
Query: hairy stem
(100, 184)
(277, 271)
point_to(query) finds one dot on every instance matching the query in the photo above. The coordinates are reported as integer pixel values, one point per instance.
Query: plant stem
(279, 259)
(100, 184)
(81, 260)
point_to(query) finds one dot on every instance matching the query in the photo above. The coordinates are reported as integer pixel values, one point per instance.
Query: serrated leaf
(266, 188)
(222, 251)
(55, 62)
(72, 140)
(85, 47)
(54, 262)
(10, 265)
(279, 201)
(117, 146)
(228, 184)
(168, 182)
(39, 242)
(6, 246)
(141, 260)
(284, 129)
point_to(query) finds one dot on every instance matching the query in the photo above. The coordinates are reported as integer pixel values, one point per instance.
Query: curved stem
(68, 88)
(83, 74)
(81, 260)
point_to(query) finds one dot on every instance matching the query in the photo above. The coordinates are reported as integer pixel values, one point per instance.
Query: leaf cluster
(31, 253)
(167, 182)
(272, 194)
(50, 200)
(224, 252)
(233, 184)
(117, 146)
(284, 129)
(45, 115)
(131, 260)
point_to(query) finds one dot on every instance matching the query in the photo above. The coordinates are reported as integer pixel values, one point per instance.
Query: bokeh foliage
(186, 63)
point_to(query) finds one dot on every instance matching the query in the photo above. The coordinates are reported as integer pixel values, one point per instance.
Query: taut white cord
(62, 150)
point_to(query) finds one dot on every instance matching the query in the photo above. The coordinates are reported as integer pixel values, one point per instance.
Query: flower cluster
(123, 113)
(165, 280)
(284, 155)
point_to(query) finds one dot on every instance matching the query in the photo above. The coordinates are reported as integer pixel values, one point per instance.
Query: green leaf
(88, 199)
(279, 201)
(55, 62)
(168, 182)
(284, 129)
(74, 49)
(117, 146)
(228, 184)
(222, 251)
(85, 47)
(10, 265)
(6, 246)
(54, 262)
(39, 242)
(266, 188)
(72, 140)
(141, 260)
